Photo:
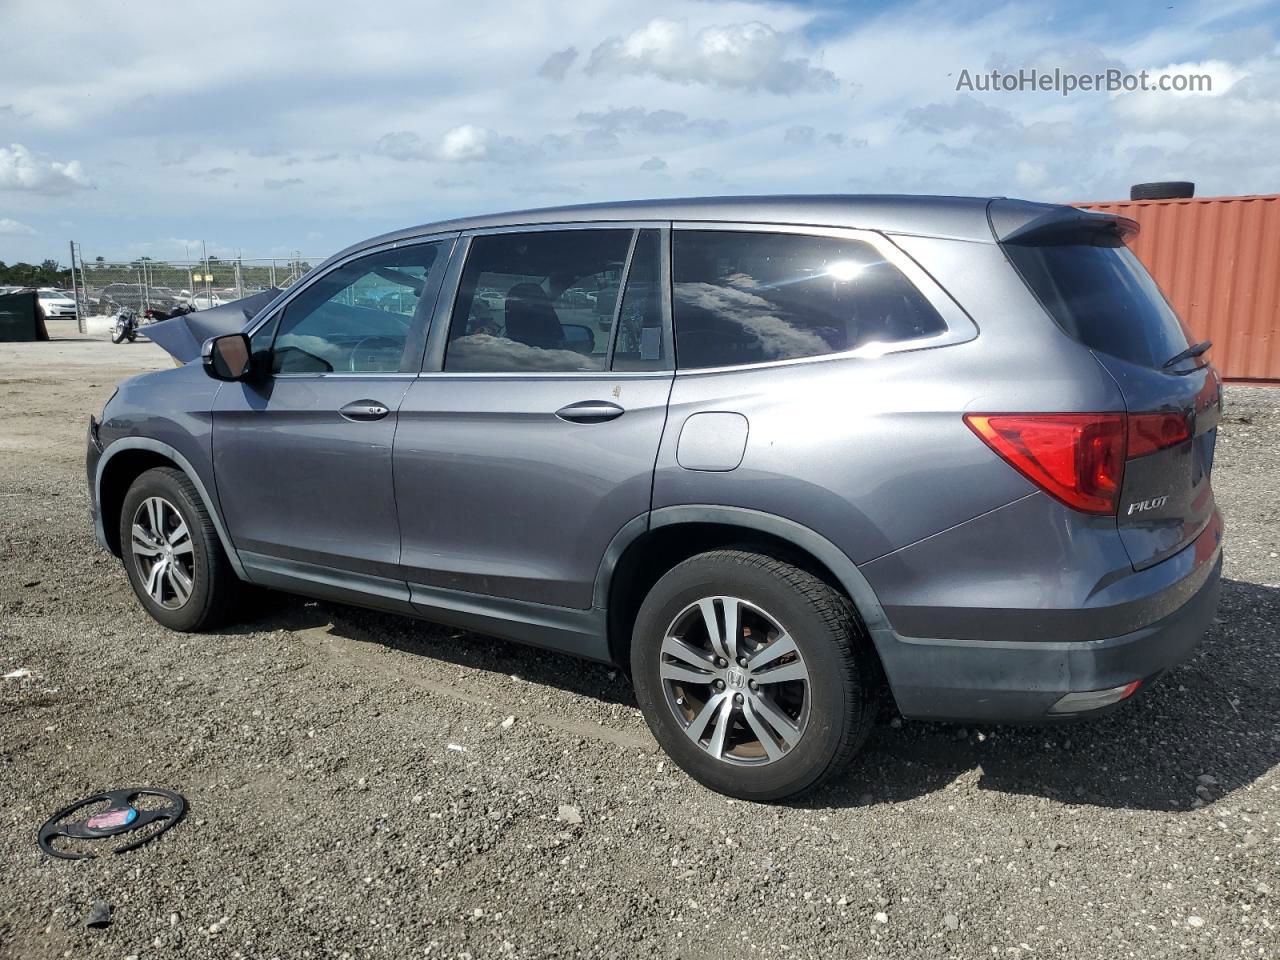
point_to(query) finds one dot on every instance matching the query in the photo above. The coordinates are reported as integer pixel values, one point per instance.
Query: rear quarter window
(1100, 293)
(744, 297)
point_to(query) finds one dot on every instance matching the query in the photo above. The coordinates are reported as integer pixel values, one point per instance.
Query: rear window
(752, 297)
(1102, 295)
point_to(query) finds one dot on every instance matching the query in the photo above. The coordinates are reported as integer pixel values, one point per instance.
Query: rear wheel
(172, 553)
(754, 676)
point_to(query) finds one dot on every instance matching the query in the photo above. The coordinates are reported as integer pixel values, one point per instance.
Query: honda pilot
(778, 457)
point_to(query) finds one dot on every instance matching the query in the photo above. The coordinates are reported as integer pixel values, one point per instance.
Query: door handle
(590, 411)
(360, 410)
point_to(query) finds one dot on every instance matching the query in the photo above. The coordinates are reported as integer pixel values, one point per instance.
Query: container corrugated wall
(1217, 259)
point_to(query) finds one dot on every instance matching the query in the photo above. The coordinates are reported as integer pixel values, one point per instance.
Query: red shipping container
(1217, 259)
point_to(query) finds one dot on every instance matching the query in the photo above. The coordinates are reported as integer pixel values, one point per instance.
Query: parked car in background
(205, 300)
(952, 451)
(136, 297)
(57, 304)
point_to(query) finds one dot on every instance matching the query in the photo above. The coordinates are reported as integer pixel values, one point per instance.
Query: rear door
(1093, 285)
(530, 438)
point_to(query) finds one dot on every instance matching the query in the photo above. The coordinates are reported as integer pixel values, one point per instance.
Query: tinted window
(1101, 294)
(754, 297)
(638, 344)
(537, 301)
(356, 318)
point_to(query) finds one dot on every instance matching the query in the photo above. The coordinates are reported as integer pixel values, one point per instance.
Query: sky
(269, 128)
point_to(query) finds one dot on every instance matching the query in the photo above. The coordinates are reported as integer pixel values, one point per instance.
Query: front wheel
(119, 333)
(172, 553)
(755, 677)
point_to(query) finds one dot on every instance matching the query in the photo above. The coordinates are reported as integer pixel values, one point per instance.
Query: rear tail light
(1078, 458)
(1149, 432)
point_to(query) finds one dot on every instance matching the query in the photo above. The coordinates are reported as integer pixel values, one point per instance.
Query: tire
(203, 572)
(1162, 190)
(118, 334)
(829, 712)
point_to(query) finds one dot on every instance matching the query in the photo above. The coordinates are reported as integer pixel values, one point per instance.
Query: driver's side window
(357, 318)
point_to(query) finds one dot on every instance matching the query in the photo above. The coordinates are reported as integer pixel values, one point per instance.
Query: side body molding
(155, 446)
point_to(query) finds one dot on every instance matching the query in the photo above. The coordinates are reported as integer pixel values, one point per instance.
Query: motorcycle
(126, 326)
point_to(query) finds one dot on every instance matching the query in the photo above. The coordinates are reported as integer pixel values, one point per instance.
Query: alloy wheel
(163, 552)
(735, 681)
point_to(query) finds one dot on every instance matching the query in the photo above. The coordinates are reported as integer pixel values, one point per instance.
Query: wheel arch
(674, 534)
(126, 460)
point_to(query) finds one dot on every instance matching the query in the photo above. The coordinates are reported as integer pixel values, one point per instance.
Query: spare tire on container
(1163, 190)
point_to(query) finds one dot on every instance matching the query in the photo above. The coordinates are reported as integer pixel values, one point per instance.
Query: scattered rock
(882, 917)
(508, 723)
(568, 813)
(951, 921)
(99, 916)
(1194, 921)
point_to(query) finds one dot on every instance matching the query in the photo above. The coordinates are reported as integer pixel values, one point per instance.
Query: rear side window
(753, 297)
(537, 301)
(1100, 294)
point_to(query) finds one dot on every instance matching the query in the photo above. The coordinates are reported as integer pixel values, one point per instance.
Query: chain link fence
(102, 287)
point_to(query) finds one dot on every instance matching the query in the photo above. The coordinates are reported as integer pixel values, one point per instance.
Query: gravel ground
(367, 786)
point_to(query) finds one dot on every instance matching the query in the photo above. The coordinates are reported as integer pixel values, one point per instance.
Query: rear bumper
(1020, 680)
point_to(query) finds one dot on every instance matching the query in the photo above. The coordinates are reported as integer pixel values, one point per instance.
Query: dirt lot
(359, 787)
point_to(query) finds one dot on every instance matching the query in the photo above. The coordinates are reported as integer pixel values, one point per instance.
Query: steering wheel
(393, 343)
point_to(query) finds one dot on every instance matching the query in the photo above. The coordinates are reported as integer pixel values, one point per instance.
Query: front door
(533, 440)
(302, 456)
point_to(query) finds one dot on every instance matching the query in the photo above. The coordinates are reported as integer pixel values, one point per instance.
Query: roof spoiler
(1034, 224)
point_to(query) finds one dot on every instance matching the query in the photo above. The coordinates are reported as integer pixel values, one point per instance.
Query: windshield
(1101, 294)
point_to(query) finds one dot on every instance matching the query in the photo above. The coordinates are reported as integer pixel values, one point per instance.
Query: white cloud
(964, 112)
(558, 64)
(470, 142)
(402, 145)
(1030, 175)
(655, 122)
(744, 56)
(1245, 95)
(20, 169)
(12, 228)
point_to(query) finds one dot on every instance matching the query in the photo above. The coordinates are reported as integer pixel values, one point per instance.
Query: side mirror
(227, 357)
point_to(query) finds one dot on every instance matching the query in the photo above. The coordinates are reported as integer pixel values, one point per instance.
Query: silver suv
(777, 456)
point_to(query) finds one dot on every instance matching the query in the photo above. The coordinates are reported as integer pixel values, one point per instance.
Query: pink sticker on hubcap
(108, 819)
